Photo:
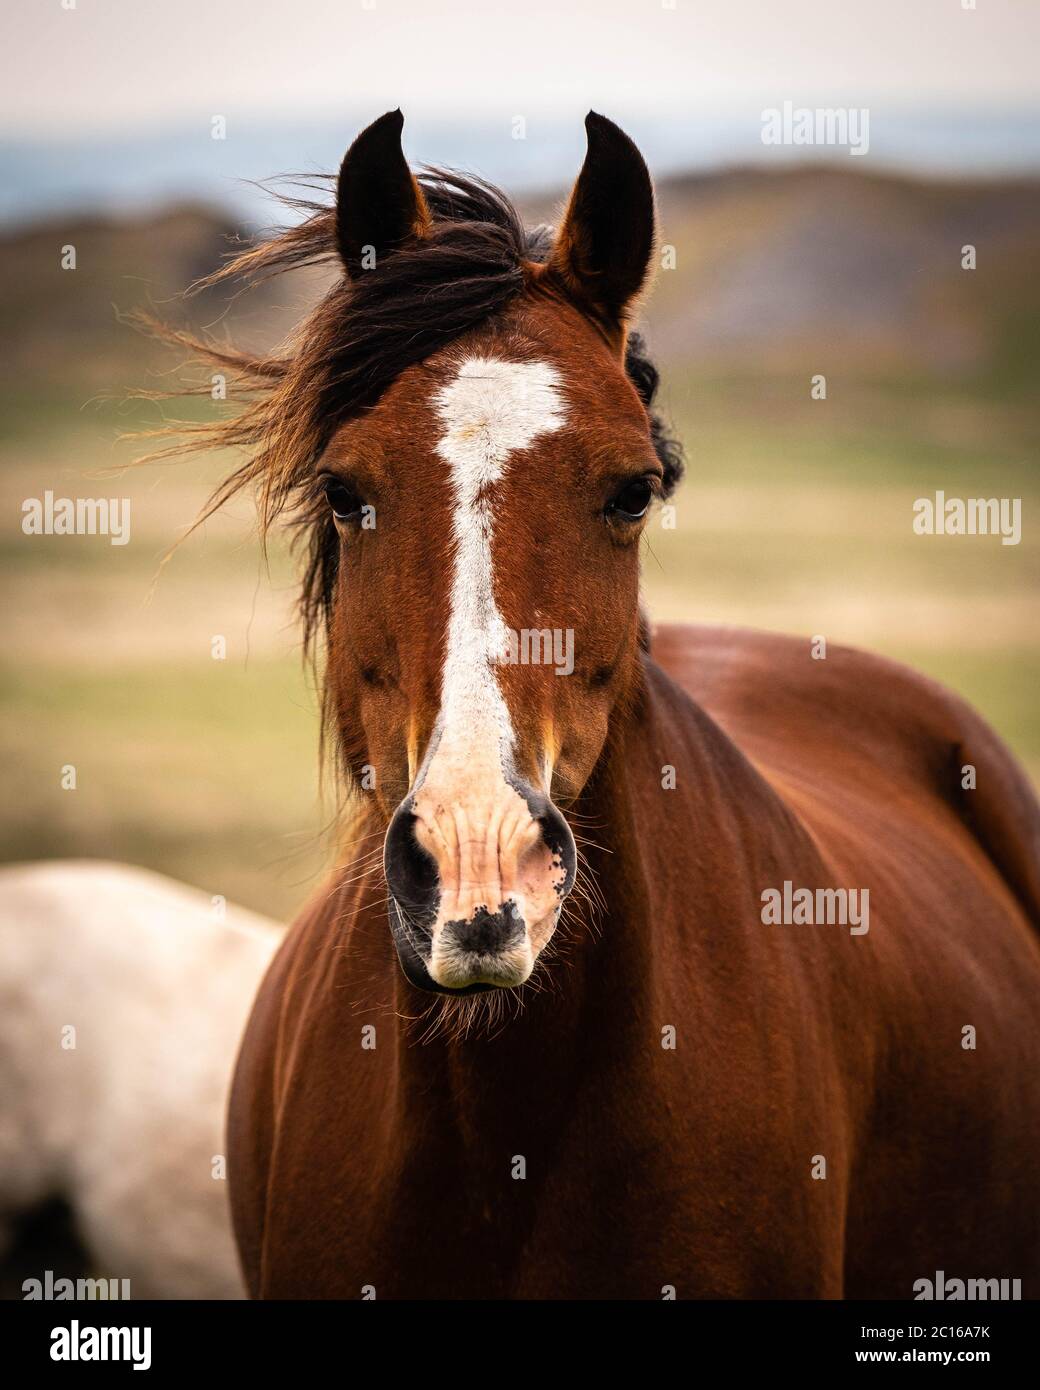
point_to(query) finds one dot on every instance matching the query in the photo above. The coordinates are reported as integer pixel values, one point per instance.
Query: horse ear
(603, 248)
(379, 205)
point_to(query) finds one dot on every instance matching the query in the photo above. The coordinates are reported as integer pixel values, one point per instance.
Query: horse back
(841, 733)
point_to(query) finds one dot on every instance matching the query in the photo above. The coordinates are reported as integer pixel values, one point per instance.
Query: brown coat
(645, 1166)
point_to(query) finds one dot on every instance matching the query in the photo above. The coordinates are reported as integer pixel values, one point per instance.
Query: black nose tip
(487, 933)
(411, 873)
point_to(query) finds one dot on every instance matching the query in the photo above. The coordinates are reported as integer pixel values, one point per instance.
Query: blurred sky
(112, 100)
(126, 62)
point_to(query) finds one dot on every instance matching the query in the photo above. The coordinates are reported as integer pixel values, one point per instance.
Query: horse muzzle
(476, 888)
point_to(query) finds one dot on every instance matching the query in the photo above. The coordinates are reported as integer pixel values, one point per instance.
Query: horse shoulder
(282, 1049)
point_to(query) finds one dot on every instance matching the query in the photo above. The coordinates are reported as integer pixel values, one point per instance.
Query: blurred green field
(802, 524)
(795, 516)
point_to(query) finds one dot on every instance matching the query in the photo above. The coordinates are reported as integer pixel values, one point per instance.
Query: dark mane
(361, 336)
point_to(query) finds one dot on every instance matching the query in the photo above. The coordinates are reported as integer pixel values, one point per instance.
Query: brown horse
(788, 1042)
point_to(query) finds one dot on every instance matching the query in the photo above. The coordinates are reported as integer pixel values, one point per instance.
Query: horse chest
(605, 1188)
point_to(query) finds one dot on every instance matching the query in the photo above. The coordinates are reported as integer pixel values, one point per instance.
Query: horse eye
(632, 501)
(344, 503)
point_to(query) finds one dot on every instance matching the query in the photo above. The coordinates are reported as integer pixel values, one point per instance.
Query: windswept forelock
(475, 260)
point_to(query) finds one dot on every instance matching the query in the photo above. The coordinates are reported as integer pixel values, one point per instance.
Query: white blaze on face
(488, 848)
(492, 409)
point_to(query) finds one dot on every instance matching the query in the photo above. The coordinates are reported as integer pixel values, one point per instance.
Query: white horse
(122, 999)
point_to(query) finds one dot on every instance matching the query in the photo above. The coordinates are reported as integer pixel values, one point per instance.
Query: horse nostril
(557, 835)
(411, 873)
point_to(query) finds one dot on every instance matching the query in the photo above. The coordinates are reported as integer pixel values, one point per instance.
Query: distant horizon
(119, 174)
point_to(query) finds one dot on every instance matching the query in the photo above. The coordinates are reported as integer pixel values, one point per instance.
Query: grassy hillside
(796, 514)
